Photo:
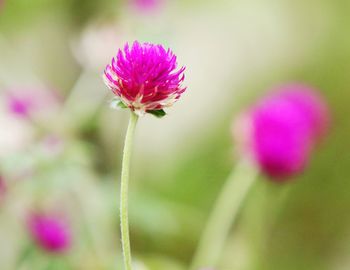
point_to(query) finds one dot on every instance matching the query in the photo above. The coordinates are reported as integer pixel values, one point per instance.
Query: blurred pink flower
(314, 108)
(20, 106)
(281, 130)
(145, 77)
(50, 232)
(26, 102)
(146, 5)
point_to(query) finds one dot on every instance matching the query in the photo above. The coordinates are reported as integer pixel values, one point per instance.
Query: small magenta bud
(280, 132)
(50, 232)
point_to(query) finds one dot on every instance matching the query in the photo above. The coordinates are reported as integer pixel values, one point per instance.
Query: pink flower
(145, 77)
(146, 5)
(50, 232)
(28, 102)
(283, 130)
(20, 106)
(311, 104)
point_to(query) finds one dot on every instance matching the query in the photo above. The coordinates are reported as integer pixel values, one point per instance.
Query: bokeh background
(66, 156)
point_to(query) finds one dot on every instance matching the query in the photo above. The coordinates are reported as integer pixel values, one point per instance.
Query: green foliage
(157, 113)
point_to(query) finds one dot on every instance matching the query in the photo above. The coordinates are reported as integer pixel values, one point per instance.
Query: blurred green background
(234, 51)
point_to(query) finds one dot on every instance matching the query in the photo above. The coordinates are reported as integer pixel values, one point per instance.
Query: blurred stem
(124, 220)
(90, 230)
(51, 264)
(271, 205)
(223, 215)
(26, 253)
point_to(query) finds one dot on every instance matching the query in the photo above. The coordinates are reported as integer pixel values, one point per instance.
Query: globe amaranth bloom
(280, 132)
(50, 232)
(145, 78)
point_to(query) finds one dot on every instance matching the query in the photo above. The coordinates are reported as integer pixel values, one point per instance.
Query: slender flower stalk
(144, 78)
(223, 215)
(124, 219)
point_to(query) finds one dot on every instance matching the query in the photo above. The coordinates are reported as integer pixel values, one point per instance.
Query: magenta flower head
(281, 131)
(50, 232)
(145, 78)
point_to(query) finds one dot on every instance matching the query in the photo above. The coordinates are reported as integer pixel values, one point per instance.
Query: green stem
(124, 220)
(93, 235)
(223, 215)
(26, 253)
